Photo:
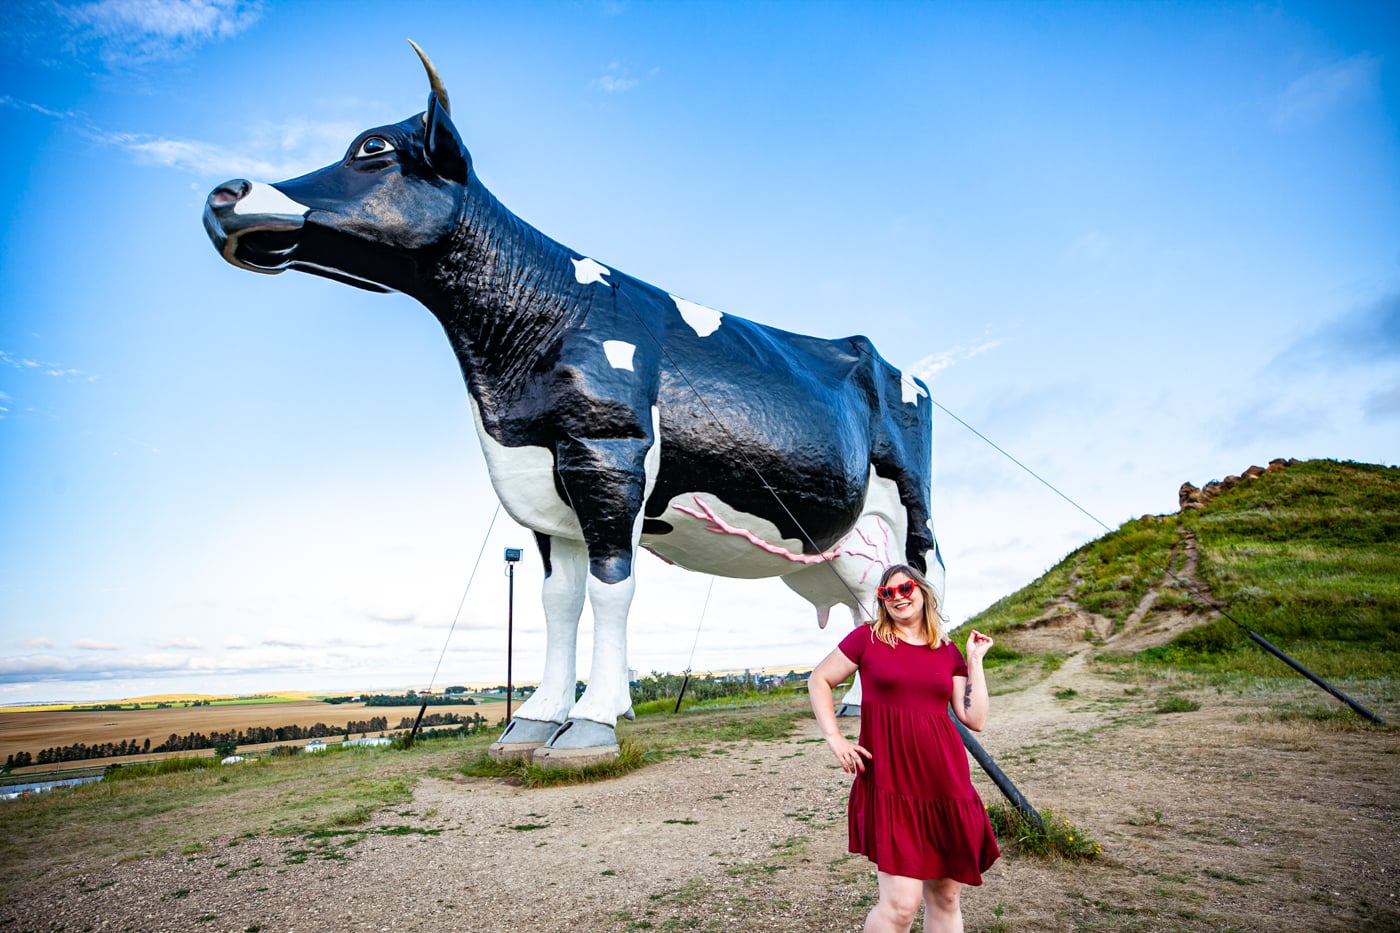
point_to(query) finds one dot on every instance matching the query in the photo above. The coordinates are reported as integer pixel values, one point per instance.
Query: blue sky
(1134, 244)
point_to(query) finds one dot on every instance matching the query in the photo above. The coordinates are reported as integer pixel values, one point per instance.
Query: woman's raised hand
(978, 645)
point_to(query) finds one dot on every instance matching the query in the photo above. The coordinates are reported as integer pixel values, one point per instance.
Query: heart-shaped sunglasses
(903, 591)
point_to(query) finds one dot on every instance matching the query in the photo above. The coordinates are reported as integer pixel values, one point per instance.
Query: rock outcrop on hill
(1192, 498)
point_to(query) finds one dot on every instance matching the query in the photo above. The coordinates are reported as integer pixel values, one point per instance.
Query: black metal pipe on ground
(1264, 643)
(684, 683)
(413, 734)
(998, 776)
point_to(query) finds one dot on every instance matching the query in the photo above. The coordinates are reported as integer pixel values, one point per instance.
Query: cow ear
(441, 144)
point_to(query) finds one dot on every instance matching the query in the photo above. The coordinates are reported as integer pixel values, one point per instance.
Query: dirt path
(1216, 819)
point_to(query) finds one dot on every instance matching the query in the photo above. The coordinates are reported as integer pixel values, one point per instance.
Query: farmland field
(30, 730)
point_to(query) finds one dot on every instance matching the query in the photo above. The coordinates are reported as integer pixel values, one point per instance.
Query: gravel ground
(1216, 819)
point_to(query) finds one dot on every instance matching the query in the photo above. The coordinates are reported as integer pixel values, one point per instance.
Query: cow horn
(433, 80)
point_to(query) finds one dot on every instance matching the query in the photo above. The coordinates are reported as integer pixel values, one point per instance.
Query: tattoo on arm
(967, 696)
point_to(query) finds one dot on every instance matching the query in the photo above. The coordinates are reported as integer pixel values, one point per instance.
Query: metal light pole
(512, 556)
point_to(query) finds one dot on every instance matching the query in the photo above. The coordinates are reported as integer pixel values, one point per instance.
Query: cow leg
(609, 505)
(591, 729)
(566, 572)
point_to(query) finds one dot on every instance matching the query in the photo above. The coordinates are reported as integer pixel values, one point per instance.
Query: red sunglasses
(904, 591)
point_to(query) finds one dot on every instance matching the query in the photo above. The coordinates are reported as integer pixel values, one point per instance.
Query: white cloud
(1090, 247)
(266, 152)
(36, 643)
(197, 158)
(53, 667)
(1367, 334)
(16, 104)
(935, 363)
(1383, 405)
(617, 79)
(90, 644)
(1312, 96)
(25, 364)
(137, 32)
(181, 644)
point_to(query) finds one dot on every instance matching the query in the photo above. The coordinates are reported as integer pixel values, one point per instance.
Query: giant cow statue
(613, 416)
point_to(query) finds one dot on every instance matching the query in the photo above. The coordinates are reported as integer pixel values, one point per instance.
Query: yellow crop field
(35, 728)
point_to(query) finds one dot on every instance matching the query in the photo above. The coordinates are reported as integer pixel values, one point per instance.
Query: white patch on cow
(264, 200)
(589, 272)
(704, 321)
(619, 353)
(910, 388)
(523, 478)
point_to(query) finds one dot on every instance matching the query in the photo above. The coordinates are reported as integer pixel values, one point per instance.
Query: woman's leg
(899, 904)
(942, 906)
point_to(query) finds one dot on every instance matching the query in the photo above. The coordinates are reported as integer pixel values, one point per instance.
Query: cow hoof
(848, 709)
(578, 743)
(521, 738)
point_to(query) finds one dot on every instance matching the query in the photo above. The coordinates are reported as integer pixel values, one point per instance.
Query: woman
(913, 810)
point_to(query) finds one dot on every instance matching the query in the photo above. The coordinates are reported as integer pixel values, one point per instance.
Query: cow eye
(374, 146)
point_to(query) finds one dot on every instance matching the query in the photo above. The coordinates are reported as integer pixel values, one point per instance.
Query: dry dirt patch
(1220, 819)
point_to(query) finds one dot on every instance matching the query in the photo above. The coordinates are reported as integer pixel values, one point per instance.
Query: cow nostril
(230, 192)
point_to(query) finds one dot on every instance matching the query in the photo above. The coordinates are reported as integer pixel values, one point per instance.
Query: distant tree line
(405, 699)
(256, 735)
(475, 720)
(79, 751)
(707, 686)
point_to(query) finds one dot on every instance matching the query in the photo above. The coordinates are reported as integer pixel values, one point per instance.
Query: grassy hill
(1307, 554)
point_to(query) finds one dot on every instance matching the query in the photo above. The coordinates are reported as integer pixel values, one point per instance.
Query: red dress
(913, 810)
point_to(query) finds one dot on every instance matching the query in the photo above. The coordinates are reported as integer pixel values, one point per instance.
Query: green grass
(1175, 704)
(178, 808)
(1307, 556)
(630, 758)
(1054, 837)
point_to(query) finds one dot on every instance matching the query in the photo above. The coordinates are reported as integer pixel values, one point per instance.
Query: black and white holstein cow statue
(613, 416)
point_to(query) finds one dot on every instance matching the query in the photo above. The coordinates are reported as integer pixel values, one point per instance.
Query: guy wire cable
(466, 589)
(686, 680)
(1211, 603)
(1202, 598)
(747, 461)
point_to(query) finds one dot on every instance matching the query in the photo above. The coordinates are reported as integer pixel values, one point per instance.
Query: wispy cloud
(1278, 420)
(197, 158)
(90, 644)
(40, 367)
(15, 103)
(39, 642)
(935, 363)
(280, 150)
(181, 644)
(1383, 405)
(1312, 96)
(133, 33)
(617, 79)
(1369, 334)
(48, 667)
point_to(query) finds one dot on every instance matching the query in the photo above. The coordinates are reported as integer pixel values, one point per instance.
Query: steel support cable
(748, 462)
(448, 640)
(691, 661)
(999, 777)
(1187, 585)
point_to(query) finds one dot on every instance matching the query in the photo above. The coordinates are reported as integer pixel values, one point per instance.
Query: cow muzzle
(253, 225)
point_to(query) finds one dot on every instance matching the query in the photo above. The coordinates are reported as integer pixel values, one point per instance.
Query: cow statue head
(375, 219)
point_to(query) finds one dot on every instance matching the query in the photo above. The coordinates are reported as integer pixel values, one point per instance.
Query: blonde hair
(883, 626)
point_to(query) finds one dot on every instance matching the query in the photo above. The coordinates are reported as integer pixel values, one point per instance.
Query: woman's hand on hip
(851, 755)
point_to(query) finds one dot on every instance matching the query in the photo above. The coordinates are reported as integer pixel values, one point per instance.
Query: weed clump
(1055, 837)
